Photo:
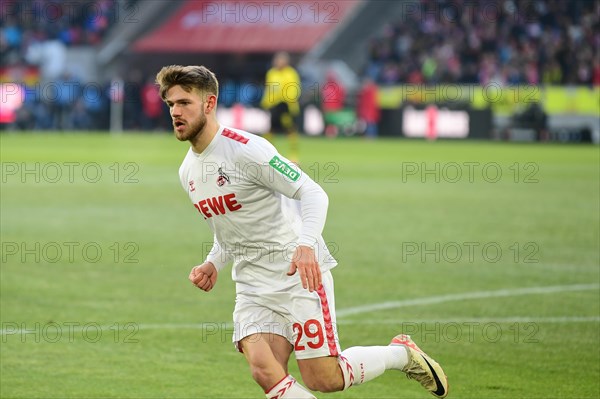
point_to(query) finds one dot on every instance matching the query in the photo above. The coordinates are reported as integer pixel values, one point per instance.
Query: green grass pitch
(487, 253)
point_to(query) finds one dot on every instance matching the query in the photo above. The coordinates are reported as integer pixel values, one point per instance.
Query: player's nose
(175, 110)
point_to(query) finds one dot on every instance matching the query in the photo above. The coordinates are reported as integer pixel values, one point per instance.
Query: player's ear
(211, 102)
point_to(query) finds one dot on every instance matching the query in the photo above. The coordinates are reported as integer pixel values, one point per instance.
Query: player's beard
(193, 130)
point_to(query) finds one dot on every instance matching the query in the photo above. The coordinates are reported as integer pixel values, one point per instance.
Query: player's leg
(322, 374)
(281, 348)
(422, 368)
(324, 368)
(316, 344)
(354, 366)
(263, 336)
(268, 355)
(359, 364)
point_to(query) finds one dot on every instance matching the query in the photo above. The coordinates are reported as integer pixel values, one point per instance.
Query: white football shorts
(306, 319)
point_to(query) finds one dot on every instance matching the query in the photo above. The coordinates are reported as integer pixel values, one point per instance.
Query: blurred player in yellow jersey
(280, 98)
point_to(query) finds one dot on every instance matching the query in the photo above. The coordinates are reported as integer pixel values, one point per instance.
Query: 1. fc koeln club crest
(223, 178)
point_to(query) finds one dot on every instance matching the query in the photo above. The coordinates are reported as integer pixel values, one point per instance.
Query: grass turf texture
(398, 231)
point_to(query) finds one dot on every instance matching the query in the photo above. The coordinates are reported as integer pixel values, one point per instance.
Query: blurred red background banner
(246, 26)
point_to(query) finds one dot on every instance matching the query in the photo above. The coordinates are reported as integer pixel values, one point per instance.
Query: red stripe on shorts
(333, 350)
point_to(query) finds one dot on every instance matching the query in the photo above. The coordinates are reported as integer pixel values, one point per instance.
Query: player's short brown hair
(188, 77)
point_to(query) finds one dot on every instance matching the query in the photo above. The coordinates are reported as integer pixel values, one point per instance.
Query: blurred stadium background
(484, 244)
(509, 70)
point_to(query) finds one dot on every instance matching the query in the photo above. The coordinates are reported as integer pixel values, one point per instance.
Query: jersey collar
(211, 146)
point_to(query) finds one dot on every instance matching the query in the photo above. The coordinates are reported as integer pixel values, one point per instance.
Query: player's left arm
(314, 203)
(279, 174)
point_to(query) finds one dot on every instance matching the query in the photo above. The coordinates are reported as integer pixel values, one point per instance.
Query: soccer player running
(280, 98)
(267, 217)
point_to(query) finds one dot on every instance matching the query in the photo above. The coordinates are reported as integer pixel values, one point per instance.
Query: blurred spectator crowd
(27, 22)
(507, 42)
(34, 37)
(68, 104)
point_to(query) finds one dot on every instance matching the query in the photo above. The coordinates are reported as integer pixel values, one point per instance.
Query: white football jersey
(243, 188)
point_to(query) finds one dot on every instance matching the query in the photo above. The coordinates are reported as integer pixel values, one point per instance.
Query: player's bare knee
(258, 367)
(260, 374)
(322, 382)
(322, 374)
(322, 385)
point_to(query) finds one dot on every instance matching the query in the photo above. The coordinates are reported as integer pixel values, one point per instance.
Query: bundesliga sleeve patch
(284, 168)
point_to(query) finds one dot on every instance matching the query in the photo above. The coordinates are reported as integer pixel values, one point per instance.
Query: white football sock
(289, 388)
(360, 364)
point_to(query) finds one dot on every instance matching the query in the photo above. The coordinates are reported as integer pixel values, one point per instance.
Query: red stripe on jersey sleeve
(234, 136)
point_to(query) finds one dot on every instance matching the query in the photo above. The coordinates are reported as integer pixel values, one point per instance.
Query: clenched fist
(204, 276)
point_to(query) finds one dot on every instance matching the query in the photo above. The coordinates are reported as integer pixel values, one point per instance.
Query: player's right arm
(217, 255)
(204, 276)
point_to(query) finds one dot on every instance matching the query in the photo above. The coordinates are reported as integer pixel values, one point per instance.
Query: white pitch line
(499, 320)
(465, 296)
(360, 310)
(506, 319)
(212, 327)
